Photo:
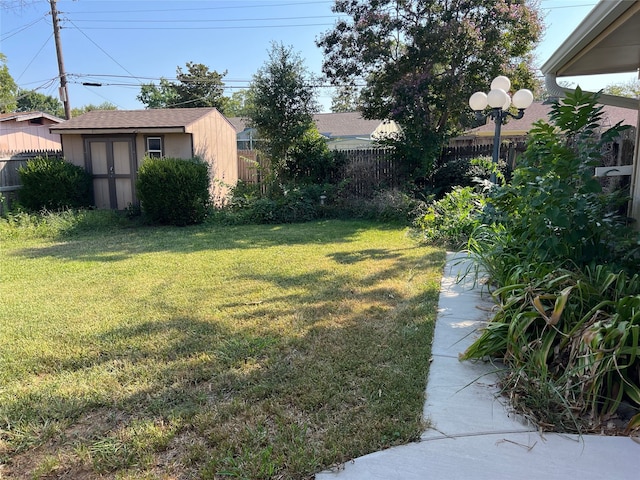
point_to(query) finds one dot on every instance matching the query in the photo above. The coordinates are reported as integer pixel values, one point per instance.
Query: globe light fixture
(498, 101)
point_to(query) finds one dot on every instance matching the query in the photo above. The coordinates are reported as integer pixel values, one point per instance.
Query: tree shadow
(113, 246)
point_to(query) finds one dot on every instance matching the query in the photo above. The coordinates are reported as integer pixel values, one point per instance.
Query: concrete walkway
(472, 435)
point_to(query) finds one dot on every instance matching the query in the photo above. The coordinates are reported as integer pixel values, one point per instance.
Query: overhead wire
(21, 29)
(226, 7)
(35, 56)
(101, 49)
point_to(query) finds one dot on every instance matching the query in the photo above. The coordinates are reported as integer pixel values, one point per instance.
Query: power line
(215, 28)
(21, 29)
(229, 7)
(35, 56)
(101, 49)
(263, 19)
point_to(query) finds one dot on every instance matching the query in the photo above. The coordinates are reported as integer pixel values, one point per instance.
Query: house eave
(589, 41)
(116, 131)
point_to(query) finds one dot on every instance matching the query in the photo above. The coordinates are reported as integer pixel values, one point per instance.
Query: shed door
(111, 163)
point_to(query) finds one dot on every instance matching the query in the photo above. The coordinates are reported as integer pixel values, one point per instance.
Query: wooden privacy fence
(369, 169)
(9, 177)
(509, 152)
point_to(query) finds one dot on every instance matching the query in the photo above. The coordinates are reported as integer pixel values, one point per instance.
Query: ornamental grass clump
(562, 263)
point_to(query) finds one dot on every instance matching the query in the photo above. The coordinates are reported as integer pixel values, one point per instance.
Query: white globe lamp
(478, 101)
(522, 99)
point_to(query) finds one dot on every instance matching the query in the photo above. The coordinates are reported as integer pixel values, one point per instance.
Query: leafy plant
(174, 191)
(563, 265)
(53, 184)
(451, 220)
(554, 207)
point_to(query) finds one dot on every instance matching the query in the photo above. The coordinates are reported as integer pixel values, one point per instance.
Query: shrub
(451, 220)
(174, 191)
(283, 204)
(460, 172)
(565, 267)
(309, 161)
(53, 184)
(554, 207)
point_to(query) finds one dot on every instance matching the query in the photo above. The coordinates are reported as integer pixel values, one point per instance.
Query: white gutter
(556, 90)
(597, 21)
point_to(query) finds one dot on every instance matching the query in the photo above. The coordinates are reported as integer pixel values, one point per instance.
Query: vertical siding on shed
(73, 149)
(214, 140)
(177, 145)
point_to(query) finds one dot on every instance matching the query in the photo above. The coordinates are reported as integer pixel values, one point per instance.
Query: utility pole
(64, 93)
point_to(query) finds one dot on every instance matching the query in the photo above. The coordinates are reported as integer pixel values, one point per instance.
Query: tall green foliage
(420, 60)
(30, 101)
(174, 191)
(555, 209)
(53, 184)
(564, 266)
(8, 88)
(282, 104)
(196, 87)
(310, 161)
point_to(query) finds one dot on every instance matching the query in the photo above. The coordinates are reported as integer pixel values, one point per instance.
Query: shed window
(154, 147)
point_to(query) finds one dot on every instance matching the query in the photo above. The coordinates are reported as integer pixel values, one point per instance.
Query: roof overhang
(607, 41)
(115, 131)
(25, 116)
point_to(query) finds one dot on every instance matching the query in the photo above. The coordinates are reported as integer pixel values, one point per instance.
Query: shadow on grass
(121, 244)
(328, 366)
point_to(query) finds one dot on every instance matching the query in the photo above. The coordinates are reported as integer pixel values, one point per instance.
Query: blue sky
(123, 43)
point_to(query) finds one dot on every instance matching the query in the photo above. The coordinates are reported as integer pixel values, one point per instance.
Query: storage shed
(112, 144)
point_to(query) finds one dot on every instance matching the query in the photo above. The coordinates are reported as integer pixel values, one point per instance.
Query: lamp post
(499, 101)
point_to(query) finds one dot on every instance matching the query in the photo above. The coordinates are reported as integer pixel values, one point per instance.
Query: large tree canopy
(420, 60)
(30, 101)
(197, 87)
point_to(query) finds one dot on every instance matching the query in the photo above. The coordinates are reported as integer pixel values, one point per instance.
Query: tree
(200, 87)
(90, 107)
(238, 104)
(422, 59)
(30, 101)
(282, 103)
(197, 87)
(161, 96)
(8, 88)
(629, 89)
(345, 99)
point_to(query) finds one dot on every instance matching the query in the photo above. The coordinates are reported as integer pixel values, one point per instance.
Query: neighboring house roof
(26, 116)
(332, 125)
(105, 121)
(349, 124)
(540, 111)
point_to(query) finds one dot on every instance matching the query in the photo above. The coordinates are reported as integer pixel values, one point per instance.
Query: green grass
(206, 352)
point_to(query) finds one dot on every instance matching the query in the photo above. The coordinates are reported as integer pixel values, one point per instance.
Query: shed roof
(170, 118)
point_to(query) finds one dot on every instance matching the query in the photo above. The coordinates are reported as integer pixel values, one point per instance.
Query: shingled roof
(129, 119)
(25, 116)
(540, 111)
(331, 125)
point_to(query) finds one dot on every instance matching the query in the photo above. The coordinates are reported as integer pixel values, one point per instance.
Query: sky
(122, 44)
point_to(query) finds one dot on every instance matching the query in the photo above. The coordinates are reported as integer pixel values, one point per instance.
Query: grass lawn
(212, 352)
